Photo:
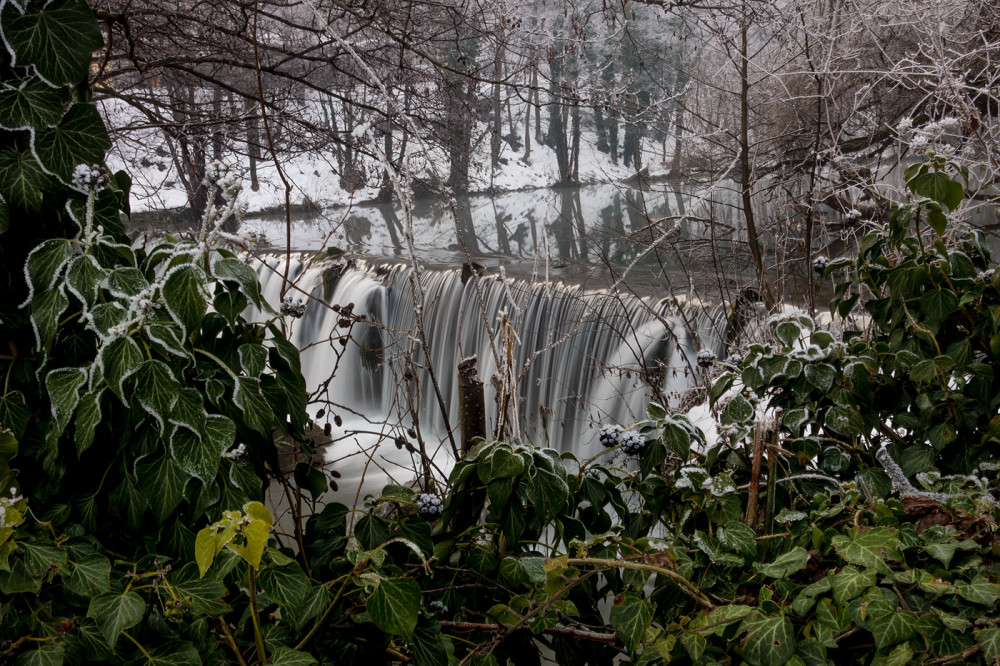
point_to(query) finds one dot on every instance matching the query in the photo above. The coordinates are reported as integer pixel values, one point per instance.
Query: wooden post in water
(472, 403)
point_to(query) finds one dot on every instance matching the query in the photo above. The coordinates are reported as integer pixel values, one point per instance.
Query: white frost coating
(789, 517)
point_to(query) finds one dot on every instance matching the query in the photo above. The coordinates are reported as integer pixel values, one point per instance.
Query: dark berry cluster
(292, 308)
(706, 357)
(429, 506)
(734, 359)
(632, 443)
(591, 473)
(820, 263)
(609, 435)
(438, 608)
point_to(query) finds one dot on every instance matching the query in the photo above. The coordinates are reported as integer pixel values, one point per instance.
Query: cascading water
(579, 357)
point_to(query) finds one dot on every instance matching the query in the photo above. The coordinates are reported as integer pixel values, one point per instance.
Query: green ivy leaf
(429, 646)
(938, 304)
(869, 549)
(286, 656)
(630, 617)
(79, 138)
(979, 591)
(47, 654)
(850, 582)
(14, 413)
(395, 605)
(548, 491)
(771, 641)
(22, 179)
(892, 628)
(162, 482)
(174, 653)
(32, 104)
(739, 537)
(185, 297)
(91, 575)
(371, 531)
(786, 564)
(114, 613)
(989, 641)
(939, 187)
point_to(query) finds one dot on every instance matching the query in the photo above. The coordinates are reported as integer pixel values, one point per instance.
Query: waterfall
(581, 357)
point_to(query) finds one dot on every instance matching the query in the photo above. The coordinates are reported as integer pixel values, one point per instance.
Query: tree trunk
(746, 173)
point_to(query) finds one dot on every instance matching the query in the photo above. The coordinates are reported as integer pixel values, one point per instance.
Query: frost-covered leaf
(197, 456)
(256, 411)
(739, 537)
(83, 277)
(115, 613)
(630, 617)
(189, 410)
(45, 264)
(820, 375)
(57, 38)
(169, 337)
(22, 179)
(229, 269)
(14, 413)
(46, 310)
(63, 388)
(253, 359)
(127, 282)
(788, 332)
(119, 360)
(738, 410)
(185, 297)
(156, 389)
(79, 138)
(31, 104)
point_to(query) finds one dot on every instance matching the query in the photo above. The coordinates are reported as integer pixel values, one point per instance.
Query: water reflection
(600, 226)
